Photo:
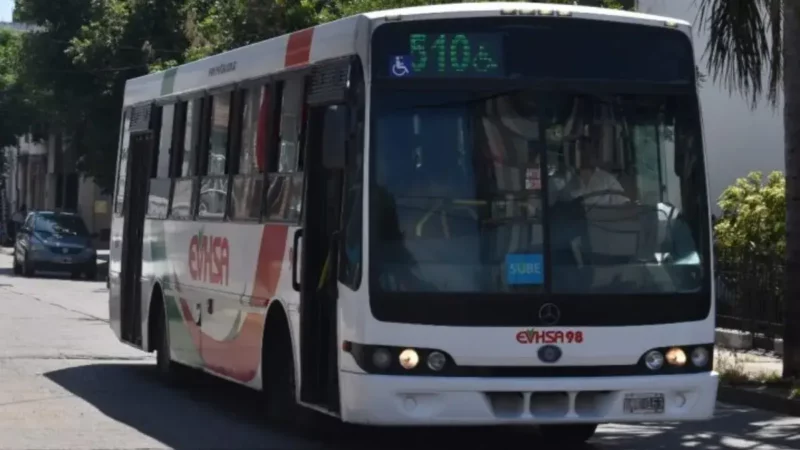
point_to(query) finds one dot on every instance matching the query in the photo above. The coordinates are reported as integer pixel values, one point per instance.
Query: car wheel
(27, 267)
(16, 267)
(568, 434)
(91, 273)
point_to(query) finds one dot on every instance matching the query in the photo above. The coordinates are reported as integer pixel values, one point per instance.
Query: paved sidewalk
(755, 364)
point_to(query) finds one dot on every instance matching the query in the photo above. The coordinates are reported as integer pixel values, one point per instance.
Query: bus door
(326, 135)
(135, 207)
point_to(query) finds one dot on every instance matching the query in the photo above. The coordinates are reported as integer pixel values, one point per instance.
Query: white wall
(738, 139)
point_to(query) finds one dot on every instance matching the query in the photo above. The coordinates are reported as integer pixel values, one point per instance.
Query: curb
(736, 396)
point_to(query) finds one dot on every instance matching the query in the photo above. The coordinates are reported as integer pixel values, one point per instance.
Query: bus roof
(333, 40)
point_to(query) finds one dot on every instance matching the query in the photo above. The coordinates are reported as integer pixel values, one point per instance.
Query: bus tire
(27, 267)
(278, 375)
(568, 434)
(168, 370)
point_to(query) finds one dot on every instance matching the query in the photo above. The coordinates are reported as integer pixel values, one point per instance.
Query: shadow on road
(207, 413)
(211, 413)
(733, 427)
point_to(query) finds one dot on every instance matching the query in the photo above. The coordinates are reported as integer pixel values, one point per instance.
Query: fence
(750, 290)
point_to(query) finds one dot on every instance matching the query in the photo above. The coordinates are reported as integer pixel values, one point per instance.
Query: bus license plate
(67, 260)
(644, 403)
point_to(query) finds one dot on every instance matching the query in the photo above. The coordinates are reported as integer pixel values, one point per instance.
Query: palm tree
(753, 41)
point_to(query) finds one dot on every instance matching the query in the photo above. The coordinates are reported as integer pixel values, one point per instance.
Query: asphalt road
(66, 383)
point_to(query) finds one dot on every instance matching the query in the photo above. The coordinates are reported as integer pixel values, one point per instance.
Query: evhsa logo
(209, 259)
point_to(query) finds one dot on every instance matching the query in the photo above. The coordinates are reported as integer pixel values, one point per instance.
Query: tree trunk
(791, 117)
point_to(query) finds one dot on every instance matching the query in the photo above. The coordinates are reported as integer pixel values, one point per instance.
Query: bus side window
(183, 164)
(248, 180)
(285, 190)
(122, 169)
(160, 181)
(213, 194)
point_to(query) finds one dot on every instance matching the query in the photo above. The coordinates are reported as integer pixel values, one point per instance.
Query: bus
(464, 214)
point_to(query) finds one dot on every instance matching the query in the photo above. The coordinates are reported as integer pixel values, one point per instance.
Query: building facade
(42, 175)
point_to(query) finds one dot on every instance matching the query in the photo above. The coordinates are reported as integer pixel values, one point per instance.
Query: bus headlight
(436, 361)
(381, 358)
(396, 360)
(676, 357)
(409, 359)
(700, 357)
(654, 360)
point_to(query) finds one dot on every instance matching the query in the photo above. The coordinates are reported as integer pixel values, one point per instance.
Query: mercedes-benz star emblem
(549, 354)
(549, 314)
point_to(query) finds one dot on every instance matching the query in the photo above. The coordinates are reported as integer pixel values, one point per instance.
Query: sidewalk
(750, 365)
(754, 378)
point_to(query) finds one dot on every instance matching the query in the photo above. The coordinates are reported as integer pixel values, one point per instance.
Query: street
(66, 383)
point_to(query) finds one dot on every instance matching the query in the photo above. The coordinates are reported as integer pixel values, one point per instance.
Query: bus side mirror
(335, 137)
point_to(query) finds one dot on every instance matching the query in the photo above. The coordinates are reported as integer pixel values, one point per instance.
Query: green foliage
(17, 105)
(80, 62)
(753, 217)
(213, 26)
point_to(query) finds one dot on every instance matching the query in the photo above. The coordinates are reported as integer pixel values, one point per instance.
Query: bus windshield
(537, 191)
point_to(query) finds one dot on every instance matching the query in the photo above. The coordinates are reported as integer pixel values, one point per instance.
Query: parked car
(56, 242)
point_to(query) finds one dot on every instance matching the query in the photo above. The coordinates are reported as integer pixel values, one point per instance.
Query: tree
(18, 100)
(81, 60)
(213, 26)
(750, 41)
(753, 219)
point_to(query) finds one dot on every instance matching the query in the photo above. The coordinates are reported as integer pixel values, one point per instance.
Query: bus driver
(592, 180)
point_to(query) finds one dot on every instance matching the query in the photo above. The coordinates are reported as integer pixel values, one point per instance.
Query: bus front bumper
(438, 401)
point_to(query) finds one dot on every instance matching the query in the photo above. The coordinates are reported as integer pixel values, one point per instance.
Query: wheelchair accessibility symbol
(400, 66)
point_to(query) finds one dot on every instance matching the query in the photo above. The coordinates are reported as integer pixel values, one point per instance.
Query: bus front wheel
(169, 371)
(279, 381)
(568, 434)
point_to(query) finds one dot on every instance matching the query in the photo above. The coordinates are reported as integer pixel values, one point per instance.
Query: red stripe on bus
(270, 262)
(237, 358)
(298, 49)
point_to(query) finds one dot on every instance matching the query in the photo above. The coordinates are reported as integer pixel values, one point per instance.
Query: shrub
(753, 219)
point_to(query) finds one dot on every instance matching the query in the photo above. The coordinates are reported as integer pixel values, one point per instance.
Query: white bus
(467, 214)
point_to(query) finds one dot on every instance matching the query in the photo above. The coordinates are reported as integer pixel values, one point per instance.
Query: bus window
(214, 185)
(160, 181)
(122, 169)
(248, 183)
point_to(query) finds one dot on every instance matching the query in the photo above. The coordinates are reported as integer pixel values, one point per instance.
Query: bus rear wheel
(568, 434)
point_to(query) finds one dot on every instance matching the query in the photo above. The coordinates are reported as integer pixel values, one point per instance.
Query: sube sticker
(525, 268)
